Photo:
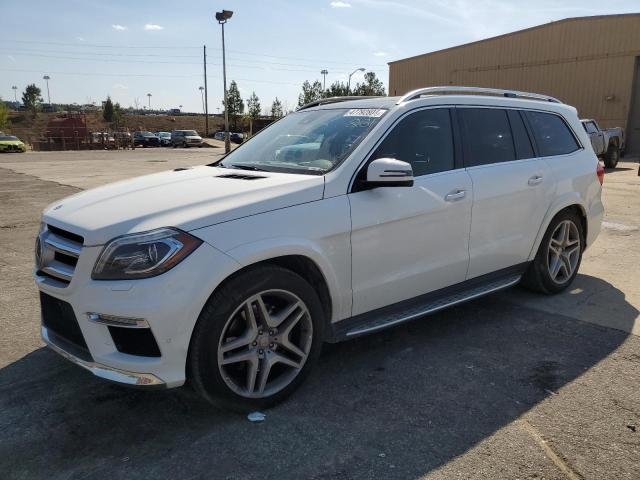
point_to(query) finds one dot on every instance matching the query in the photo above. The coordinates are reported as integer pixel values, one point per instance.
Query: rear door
(407, 241)
(596, 136)
(511, 187)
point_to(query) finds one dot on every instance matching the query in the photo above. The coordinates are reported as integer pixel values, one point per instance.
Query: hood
(11, 142)
(193, 137)
(186, 199)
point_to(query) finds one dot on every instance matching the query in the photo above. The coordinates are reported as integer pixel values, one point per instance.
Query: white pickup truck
(607, 143)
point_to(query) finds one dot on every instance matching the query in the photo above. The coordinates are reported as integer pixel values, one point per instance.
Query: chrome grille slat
(63, 245)
(57, 254)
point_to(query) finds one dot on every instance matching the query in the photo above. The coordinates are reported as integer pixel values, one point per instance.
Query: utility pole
(149, 95)
(324, 78)
(47, 78)
(15, 94)
(222, 18)
(206, 98)
(202, 96)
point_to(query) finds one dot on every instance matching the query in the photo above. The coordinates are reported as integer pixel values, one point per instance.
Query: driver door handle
(450, 197)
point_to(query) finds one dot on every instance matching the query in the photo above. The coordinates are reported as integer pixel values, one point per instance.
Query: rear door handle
(450, 197)
(535, 180)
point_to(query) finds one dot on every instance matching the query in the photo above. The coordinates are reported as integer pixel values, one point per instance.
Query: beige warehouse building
(592, 63)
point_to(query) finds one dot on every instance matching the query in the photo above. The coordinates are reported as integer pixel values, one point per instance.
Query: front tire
(257, 338)
(612, 156)
(559, 255)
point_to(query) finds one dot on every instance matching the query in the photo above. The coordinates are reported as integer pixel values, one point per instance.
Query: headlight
(143, 255)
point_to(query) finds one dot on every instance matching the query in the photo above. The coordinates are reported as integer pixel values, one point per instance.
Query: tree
(337, 89)
(31, 98)
(107, 111)
(117, 115)
(236, 105)
(310, 92)
(253, 106)
(4, 115)
(276, 109)
(371, 87)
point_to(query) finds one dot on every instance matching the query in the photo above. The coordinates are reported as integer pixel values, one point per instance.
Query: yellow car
(10, 143)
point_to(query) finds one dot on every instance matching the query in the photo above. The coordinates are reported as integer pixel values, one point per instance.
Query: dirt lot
(514, 385)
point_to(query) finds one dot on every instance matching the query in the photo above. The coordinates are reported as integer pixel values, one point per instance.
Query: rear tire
(559, 255)
(612, 156)
(265, 317)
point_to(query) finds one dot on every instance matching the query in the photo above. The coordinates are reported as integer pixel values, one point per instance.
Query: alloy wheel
(265, 343)
(564, 251)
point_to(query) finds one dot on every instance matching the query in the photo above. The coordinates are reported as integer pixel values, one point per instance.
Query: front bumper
(170, 303)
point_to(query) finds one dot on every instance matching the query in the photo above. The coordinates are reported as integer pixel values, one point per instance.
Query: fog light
(117, 321)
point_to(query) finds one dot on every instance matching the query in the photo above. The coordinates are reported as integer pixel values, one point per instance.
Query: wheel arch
(570, 202)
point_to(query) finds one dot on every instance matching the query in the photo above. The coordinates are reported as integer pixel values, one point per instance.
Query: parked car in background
(104, 138)
(11, 143)
(165, 138)
(232, 275)
(233, 137)
(145, 139)
(185, 138)
(608, 143)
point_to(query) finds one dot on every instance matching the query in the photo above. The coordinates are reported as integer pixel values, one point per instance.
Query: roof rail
(325, 101)
(473, 91)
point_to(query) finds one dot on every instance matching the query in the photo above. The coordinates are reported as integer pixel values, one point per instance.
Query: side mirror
(389, 172)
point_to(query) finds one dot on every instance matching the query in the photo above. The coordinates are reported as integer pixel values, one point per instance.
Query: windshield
(8, 137)
(311, 142)
(164, 134)
(147, 134)
(190, 133)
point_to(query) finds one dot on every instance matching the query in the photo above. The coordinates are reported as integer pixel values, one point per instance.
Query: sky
(129, 48)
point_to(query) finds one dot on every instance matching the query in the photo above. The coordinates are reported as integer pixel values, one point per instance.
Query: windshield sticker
(365, 112)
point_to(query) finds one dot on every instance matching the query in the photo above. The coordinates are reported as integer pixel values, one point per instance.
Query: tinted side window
(423, 139)
(590, 127)
(487, 136)
(520, 136)
(551, 134)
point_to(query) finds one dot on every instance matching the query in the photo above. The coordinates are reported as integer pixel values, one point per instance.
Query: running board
(405, 311)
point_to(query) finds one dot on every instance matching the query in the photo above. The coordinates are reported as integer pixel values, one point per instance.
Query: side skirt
(432, 302)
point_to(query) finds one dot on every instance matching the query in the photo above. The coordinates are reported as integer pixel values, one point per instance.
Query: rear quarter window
(552, 135)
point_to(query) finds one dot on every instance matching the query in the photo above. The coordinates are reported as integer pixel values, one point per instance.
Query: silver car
(185, 138)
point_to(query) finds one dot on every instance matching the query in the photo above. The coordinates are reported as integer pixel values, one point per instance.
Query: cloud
(118, 27)
(380, 54)
(339, 4)
(11, 57)
(153, 26)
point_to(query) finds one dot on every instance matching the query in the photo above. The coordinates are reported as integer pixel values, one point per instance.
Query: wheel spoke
(288, 344)
(554, 267)
(565, 232)
(284, 315)
(279, 358)
(570, 251)
(265, 316)
(236, 343)
(252, 374)
(566, 265)
(243, 356)
(263, 376)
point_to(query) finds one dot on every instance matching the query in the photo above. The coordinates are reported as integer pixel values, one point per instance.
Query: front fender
(270, 248)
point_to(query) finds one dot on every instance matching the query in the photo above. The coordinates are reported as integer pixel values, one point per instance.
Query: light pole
(202, 95)
(324, 74)
(149, 95)
(222, 18)
(349, 83)
(47, 78)
(15, 93)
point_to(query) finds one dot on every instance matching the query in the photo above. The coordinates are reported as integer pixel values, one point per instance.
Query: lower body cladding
(131, 332)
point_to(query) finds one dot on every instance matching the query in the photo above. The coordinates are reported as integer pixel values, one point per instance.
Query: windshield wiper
(244, 166)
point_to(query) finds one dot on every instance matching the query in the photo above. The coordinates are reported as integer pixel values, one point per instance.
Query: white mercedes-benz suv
(346, 217)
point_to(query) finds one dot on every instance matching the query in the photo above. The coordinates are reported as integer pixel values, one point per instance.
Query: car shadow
(397, 404)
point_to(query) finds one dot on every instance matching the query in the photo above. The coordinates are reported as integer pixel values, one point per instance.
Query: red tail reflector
(600, 173)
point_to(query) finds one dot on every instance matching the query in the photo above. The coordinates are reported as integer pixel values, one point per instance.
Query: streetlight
(15, 93)
(149, 95)
(324, 74)
(349, 84)
(202, 95)
(47, 78)
(222, 18)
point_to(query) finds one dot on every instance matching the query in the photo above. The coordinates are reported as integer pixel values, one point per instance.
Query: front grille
(61, 323)
(57, 253)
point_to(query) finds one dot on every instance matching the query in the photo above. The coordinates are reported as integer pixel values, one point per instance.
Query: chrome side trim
(102, 371)
(439, 306)
(117, 321)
